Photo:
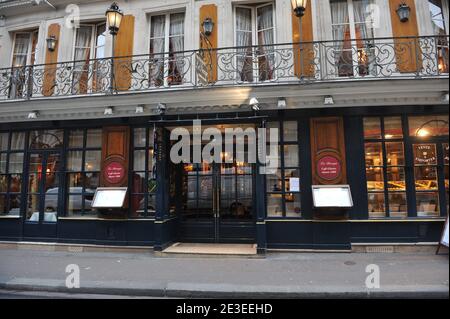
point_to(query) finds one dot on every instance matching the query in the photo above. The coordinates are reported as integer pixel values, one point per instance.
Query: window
(143, 196)
(82, 170)
(11, 172)
(385, 167)
(430, 162)
(167, 44)
(283, 184)
(90, 45)
(353, 33)
(254, 26)
(24, 53)
(438, 22)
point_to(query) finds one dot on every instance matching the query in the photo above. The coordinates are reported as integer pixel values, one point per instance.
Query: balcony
(294, 63)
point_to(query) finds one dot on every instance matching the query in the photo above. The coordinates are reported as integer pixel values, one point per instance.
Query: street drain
(350, 263)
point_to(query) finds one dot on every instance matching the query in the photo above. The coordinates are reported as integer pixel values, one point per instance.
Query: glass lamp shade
(299, 7)
(51, 43)
(114, 18)
(403, 12)
(208, 26)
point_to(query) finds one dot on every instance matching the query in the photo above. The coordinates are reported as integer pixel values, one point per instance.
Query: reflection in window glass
(18, 140)
(428, 125)
(74, 160)
(377, 208)
(395, 154)
(372, 128)
(76, 138)
(274, 205)
(290, 131)
(46, 139)
(92, 161)
(94, 138)
(4, 141)
(427, 204)
(393, 127)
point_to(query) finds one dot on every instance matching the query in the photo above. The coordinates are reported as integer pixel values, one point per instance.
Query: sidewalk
(278, 275)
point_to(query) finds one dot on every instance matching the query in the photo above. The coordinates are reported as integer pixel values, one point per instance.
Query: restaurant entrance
(217, 199)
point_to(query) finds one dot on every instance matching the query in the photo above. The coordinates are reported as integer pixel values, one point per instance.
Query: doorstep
(245, 250)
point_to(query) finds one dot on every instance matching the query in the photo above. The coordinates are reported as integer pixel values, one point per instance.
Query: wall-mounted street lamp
(114, 18)
(299, 7)
(51, 43)
(208, 26)
(403, 12)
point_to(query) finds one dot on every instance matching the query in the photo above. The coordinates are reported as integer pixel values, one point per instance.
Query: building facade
(358, 90)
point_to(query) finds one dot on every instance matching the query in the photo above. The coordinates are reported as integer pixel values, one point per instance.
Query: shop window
(385, 167)
(82, 171)
(143, 182)
(11, 172)
(283, 184)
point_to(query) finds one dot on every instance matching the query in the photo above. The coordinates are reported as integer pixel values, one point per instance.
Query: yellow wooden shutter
(51, 58)
(306, 68)
(407, 51)
(124, 50)
(209, 44)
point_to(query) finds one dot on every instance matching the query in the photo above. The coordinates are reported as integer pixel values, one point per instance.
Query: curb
(434, 293)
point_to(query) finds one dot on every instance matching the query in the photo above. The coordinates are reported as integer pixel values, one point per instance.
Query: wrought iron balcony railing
(381, 58)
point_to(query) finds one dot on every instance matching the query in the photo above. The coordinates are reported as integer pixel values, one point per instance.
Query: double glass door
(217, 201)
(43, 193)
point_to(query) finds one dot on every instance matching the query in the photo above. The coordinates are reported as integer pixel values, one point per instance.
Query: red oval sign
(329, 168)
(114, 172)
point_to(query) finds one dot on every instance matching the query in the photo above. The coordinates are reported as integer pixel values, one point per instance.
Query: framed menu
(328, 196)
(109, 197)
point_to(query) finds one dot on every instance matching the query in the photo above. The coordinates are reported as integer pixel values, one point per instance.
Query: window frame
(8, 193)
(82, 172)
(149, 145)
(282, 168)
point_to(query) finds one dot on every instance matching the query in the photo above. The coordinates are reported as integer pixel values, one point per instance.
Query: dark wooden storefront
(307, 232)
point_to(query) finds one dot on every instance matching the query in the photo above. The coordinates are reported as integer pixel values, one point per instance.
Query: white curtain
(365, 27)
(243, 39)
(340, 20)
(17, 141)
(157, 44)
(177, 41)
(19, 60)
(21, 49)
(81, 56)
(265, 37)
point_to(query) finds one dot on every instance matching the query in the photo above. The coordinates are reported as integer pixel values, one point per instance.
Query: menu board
(332, 196)
(109, 197)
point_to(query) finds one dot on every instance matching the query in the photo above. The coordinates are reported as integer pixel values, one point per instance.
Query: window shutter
(51, 57)
(124, 48)
(407, 51)
(208, 44)
(305, 69)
